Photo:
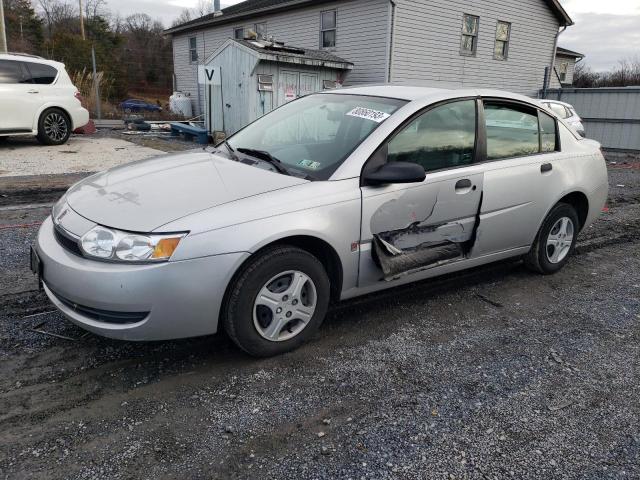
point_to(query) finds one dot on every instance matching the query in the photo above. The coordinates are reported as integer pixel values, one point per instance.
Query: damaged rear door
(407, 228)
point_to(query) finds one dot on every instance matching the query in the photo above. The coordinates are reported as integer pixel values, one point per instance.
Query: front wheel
(555, 240)
(277, 301)
(54, 127)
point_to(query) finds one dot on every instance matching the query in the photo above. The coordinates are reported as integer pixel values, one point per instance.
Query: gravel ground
(493, 373)
(25, 156)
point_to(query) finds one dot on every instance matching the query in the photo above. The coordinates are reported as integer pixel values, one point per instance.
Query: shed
(256, 76)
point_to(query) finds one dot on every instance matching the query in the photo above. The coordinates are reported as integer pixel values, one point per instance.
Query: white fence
(611, 115)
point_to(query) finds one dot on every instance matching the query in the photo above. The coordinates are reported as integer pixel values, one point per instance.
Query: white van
(38, 98)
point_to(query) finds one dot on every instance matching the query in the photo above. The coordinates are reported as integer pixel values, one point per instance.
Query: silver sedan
(331, 196)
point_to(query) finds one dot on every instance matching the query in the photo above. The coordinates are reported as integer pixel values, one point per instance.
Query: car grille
(67, 242)
(105, 316)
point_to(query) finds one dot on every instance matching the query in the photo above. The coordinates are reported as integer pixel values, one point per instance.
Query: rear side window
(547, 132)
(41, 74)
(11, 72)
(512, 131)
(443, 137)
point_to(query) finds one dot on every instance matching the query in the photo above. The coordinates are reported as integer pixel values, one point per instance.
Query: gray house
(565, 66)
(507, 44)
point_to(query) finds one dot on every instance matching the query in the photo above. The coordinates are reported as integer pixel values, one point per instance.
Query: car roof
(30, 58)
(412, 93)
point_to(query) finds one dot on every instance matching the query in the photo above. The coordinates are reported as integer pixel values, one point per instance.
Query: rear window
(11, 72)
(41, 73)
(559, 110)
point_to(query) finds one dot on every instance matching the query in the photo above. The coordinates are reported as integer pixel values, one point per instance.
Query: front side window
(328, 25)
(512, 131)
(41, 74)
(238, 33)
(193, 49)
(469, 42)
(11, 72)
(261, 30)
(443, 137)
(313, 135)
(501, 48)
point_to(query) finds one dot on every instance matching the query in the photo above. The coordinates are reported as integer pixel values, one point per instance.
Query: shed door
(308, 83)
(288, 87)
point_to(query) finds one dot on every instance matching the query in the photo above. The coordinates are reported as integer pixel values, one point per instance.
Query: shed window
(193, 49)
(562, 72)
(261, 30)
(469, 41)
(328, 29)
(238, 33)
(501, 49)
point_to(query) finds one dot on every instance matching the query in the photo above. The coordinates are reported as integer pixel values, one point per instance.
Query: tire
(247, 317)
(555, 241)
(54, 127)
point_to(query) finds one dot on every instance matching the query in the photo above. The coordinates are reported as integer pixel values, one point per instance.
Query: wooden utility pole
(81, 20)
(3, 35)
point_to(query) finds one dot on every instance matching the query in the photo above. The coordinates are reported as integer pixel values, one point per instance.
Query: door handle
(464, 186)
(33, 91)
(546, 167)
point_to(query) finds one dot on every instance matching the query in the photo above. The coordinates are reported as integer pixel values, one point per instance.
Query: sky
(605, 30)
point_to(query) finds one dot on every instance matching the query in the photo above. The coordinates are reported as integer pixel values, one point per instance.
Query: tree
(23, 27)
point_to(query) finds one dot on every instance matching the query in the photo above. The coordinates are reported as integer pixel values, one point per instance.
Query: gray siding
(362, 38)
(610, 115)
(426, 45)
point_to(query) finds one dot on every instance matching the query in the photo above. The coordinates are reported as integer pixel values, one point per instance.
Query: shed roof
(565, 52)
(279, 52)
(250, 8)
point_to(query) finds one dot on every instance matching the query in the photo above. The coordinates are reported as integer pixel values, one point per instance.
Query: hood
(142, 196)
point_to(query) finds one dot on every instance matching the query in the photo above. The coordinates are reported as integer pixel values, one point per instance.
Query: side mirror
(396, 172)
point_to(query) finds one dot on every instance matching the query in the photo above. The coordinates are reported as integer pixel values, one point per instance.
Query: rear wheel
(277, 302)
(555, 240)
(54, 127)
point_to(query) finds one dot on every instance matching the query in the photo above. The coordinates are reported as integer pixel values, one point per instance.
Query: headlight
(109, 244)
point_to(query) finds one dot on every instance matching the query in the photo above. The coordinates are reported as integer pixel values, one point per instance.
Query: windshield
(312, 136)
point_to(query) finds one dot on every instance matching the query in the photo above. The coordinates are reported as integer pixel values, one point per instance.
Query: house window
(469, 42)
(193, 49)
(261, 30)
(328, 29)
(501, 49)
(562, 73)
(238, 33)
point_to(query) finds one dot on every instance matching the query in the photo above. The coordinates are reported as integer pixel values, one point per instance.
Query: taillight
(78, 96)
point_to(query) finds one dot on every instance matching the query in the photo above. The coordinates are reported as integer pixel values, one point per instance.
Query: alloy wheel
(55, 126)
(560, 240)
(284, 306)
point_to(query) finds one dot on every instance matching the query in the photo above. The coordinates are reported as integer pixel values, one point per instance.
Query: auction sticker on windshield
(368, 114)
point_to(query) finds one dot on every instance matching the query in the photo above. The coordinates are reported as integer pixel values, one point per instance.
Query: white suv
(38, 98)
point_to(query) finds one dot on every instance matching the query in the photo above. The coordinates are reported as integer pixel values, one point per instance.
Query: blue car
(133, 105)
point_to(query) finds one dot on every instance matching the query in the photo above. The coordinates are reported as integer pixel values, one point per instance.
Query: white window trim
(255, 29)
(191, 60)
(335, 29)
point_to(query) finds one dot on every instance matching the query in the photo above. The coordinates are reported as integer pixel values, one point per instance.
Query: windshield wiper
(267, 157)
(232, 152)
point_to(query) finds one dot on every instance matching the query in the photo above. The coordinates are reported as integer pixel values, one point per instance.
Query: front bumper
(178, 299)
